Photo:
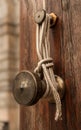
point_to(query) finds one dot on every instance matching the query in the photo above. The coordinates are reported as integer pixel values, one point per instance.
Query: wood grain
(65, 40)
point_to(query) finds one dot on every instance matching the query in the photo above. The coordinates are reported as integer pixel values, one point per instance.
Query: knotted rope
(46, 62)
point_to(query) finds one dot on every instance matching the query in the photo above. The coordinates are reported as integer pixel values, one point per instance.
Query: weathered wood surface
(66, 50)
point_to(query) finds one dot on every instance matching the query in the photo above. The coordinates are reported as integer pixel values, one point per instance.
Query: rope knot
(48, 63)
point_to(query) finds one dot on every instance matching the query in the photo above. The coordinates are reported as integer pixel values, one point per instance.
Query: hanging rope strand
(44, 4)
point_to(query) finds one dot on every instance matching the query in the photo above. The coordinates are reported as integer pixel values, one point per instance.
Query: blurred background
(9, 62)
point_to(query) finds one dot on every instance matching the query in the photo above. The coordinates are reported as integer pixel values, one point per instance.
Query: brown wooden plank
(65, 49)
(72, 47)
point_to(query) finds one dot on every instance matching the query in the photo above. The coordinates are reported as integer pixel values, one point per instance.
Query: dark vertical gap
(63, 72)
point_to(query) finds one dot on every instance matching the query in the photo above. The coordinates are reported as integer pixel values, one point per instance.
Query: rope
(46, 63)
(44, 4)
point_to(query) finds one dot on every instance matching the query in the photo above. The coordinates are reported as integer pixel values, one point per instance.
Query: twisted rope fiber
(46, 62)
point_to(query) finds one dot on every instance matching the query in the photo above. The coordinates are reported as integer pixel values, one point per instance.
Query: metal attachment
(61, 86)
(40, 16)
(60, 89)
(28, 88)
(53, 19)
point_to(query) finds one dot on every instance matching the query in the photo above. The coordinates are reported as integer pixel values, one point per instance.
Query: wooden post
(65, 40)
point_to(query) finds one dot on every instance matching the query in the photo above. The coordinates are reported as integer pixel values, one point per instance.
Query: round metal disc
(24, 88)
(40, 16)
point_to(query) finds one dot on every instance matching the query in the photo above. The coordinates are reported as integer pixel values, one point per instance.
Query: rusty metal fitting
(41, 15)
(53, 19)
